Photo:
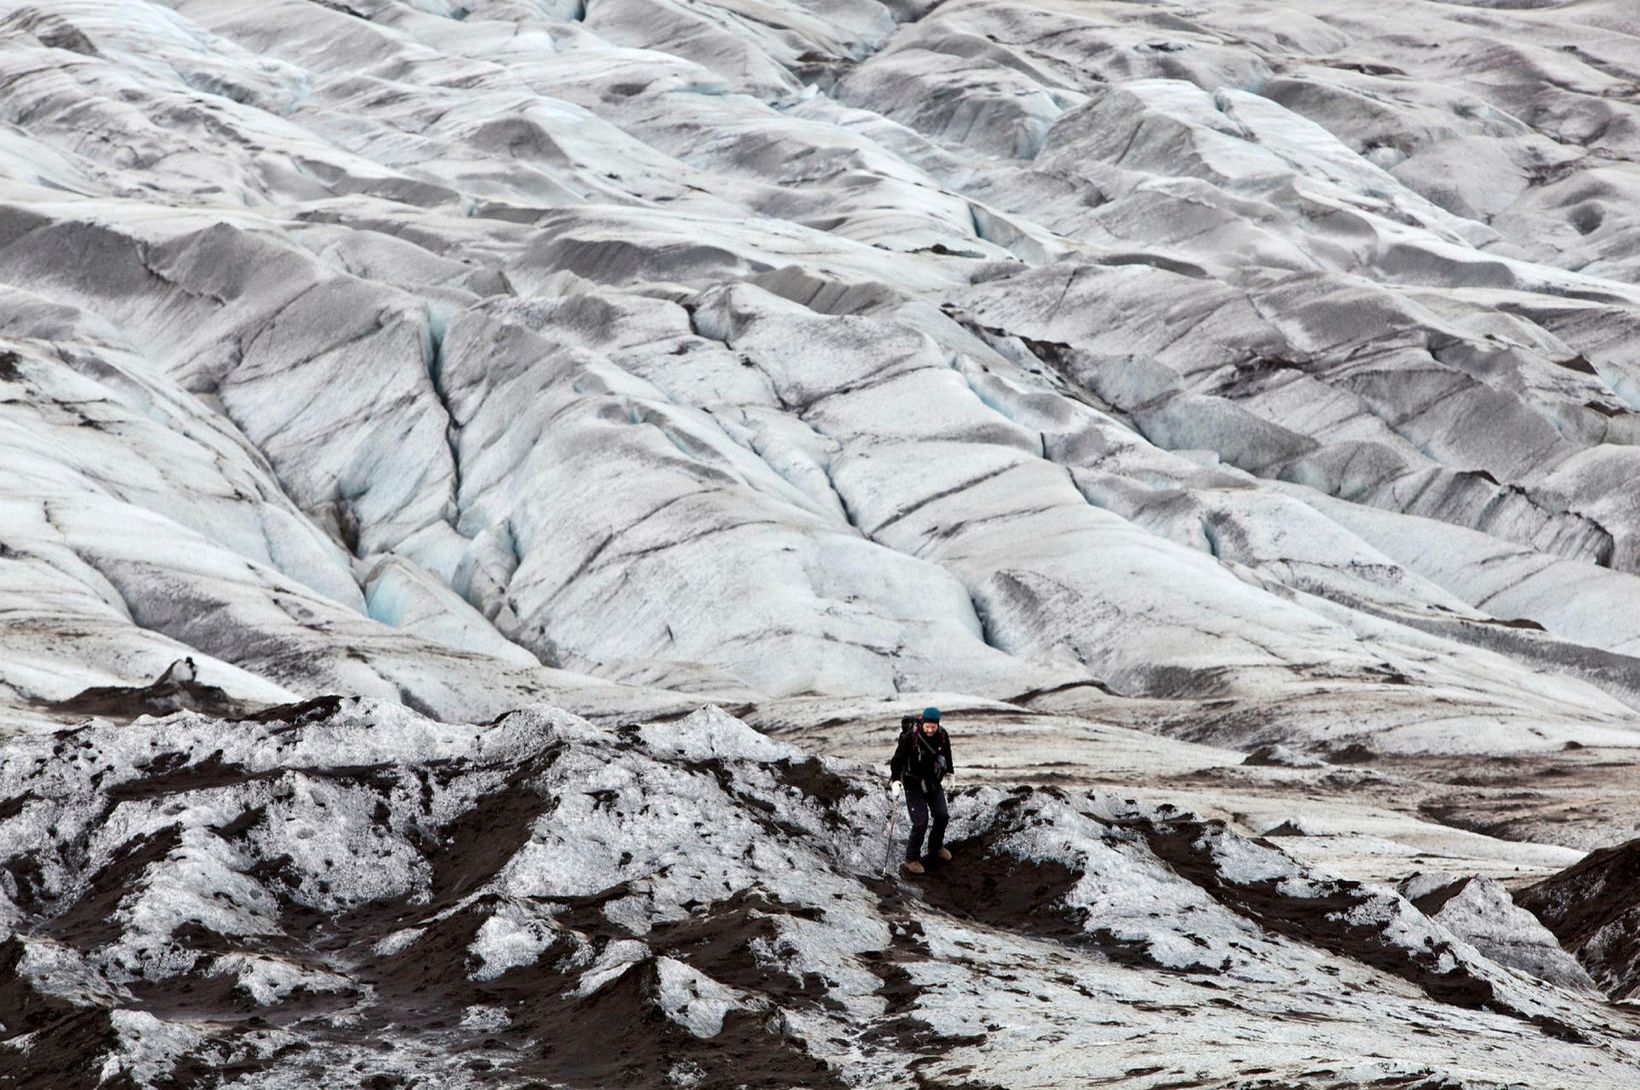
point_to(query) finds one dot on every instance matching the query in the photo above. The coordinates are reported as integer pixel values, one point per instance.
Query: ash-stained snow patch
(1280, 756)
(1481, 912)
(147, 1049)
(693, 1000)
(271, 981)
(479, 894)
(1168, 889)
(713, 733)
(191, 901)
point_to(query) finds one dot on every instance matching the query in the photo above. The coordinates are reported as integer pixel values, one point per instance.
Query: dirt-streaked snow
(348, 883)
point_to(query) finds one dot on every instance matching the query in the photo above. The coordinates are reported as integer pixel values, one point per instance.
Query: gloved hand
(896, 787)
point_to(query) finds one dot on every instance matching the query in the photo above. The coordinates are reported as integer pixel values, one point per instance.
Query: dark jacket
(919, 756)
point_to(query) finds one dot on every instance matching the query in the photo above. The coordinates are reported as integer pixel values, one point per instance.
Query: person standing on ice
(921, 761)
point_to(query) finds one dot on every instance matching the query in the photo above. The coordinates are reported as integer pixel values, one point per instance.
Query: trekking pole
(888, 840)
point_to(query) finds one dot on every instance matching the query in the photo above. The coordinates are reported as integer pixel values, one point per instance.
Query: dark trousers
(921, 803)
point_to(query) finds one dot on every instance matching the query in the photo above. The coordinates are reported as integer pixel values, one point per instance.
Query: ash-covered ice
(356, 889)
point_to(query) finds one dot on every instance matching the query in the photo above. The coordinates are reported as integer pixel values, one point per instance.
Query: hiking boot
(943, 854)
(911, 866)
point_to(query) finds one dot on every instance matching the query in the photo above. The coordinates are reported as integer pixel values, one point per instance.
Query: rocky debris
(1593, 908)
(347, 884)
(177, 689)
(1481, 912)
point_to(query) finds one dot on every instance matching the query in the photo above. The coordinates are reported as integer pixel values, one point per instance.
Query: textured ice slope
(345, 893)
(463, 354)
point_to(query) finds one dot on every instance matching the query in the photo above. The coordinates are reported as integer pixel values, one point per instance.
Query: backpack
(909, 725)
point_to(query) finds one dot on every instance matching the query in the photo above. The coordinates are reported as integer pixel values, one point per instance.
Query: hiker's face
(928, 725)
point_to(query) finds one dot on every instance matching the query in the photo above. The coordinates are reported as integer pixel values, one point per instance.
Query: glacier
(1227, 411)
(984, 349)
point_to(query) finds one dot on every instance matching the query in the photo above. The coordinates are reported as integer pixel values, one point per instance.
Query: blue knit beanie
(931, 714)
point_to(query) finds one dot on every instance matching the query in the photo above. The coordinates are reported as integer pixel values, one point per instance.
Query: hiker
(921, 761)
